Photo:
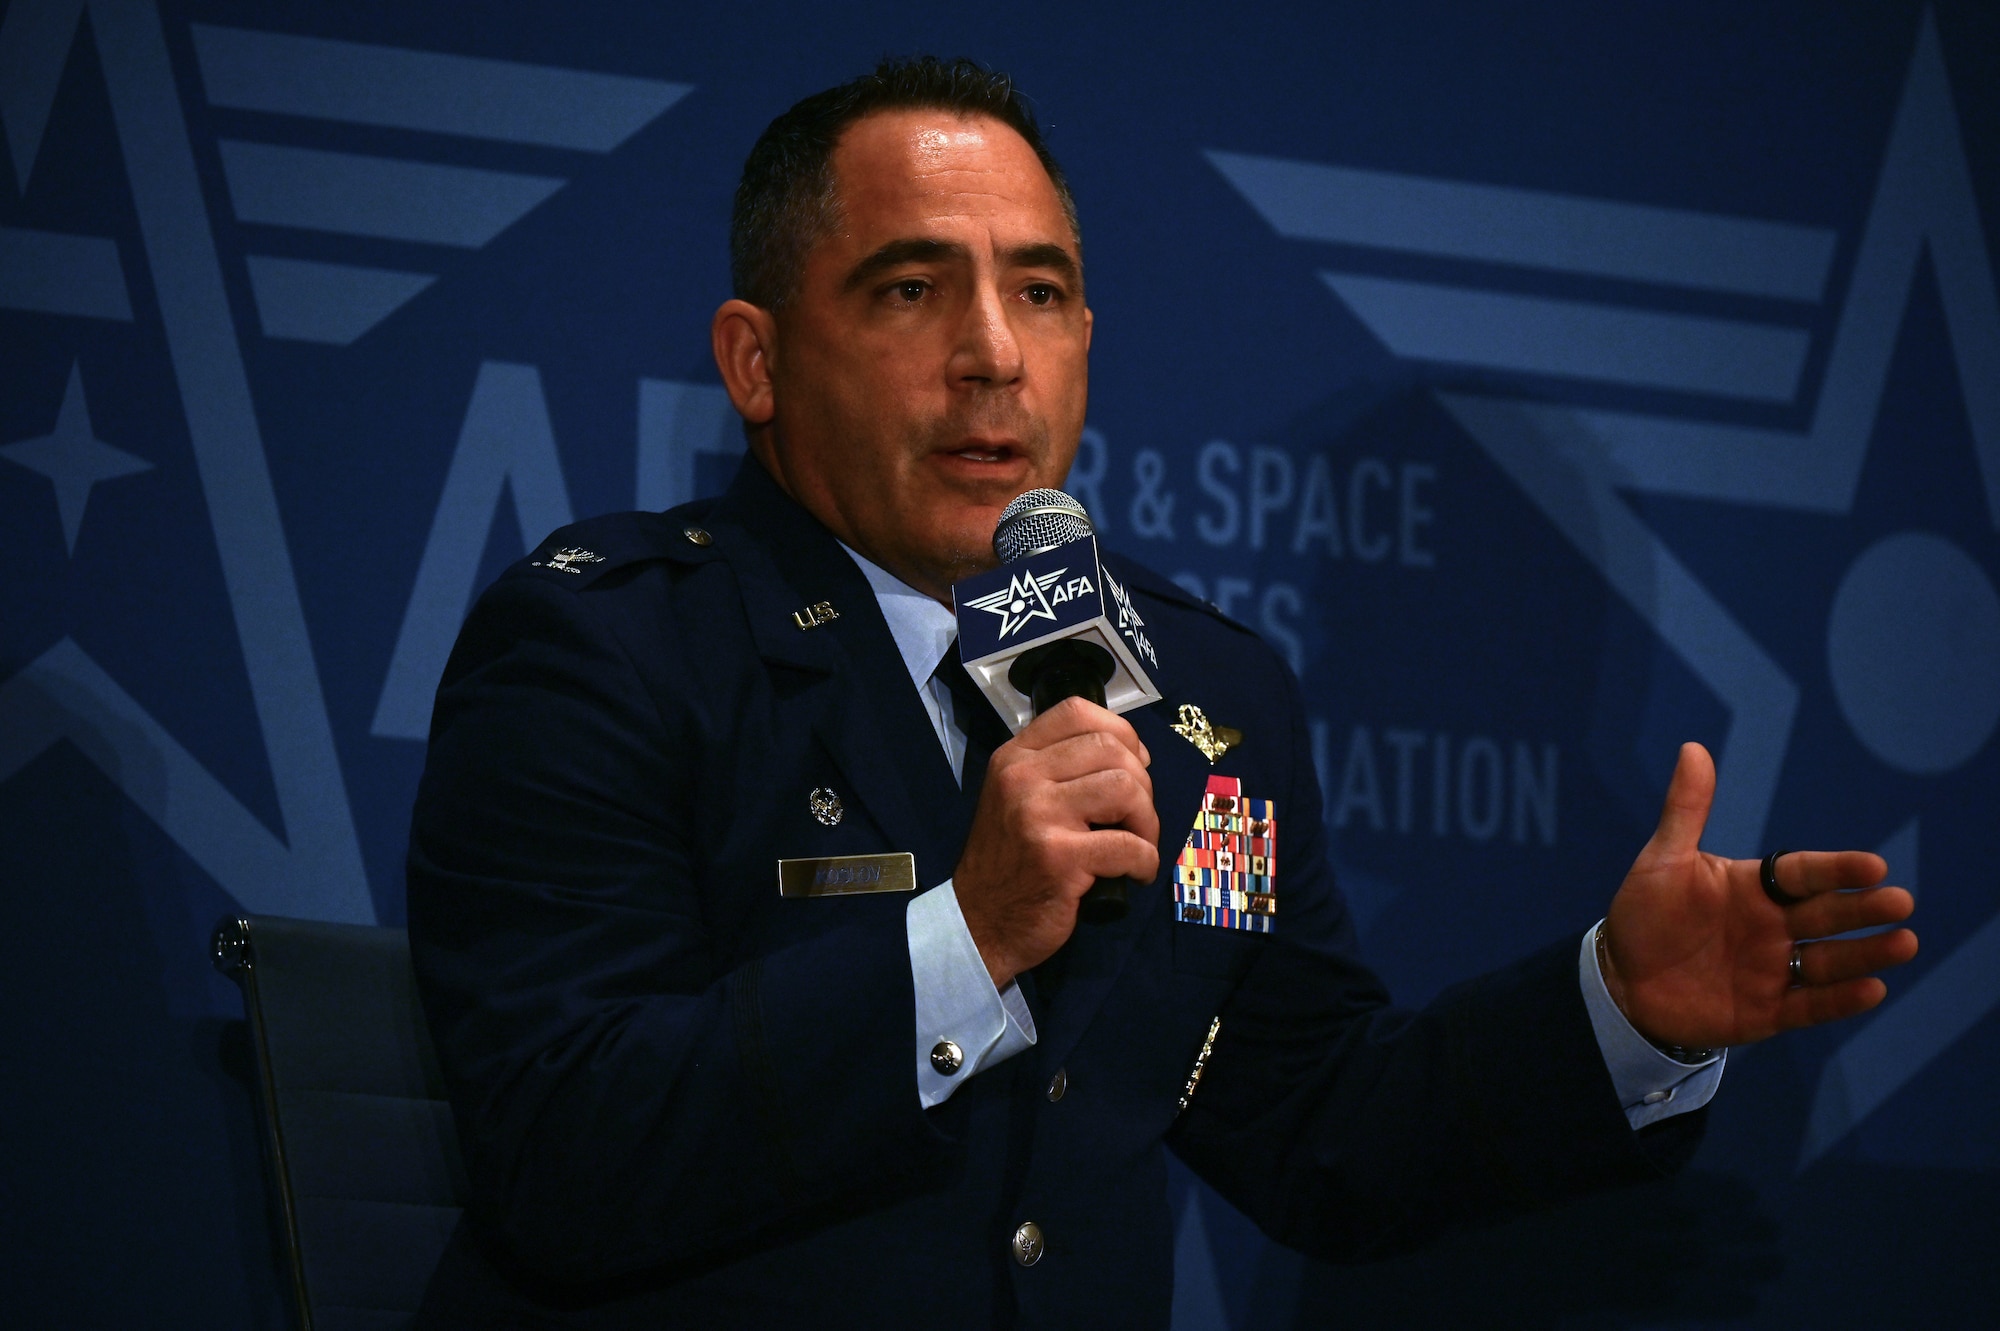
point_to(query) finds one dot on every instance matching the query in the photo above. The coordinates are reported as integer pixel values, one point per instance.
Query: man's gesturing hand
(1700, 956)
(1066, 802)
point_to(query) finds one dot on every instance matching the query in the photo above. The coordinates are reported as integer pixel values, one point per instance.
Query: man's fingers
(1075, 716)
(1689, 795)
(1066, 802)
(1091, 751)
(1838, 960)
(1806, 873)
(1816, 1003)
(1113, 852)
(1116, 798)
(1841, 912)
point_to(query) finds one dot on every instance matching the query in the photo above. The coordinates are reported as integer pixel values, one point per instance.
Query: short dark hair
(785, 203)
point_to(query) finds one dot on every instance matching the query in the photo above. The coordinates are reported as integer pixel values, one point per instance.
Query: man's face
(933, 364)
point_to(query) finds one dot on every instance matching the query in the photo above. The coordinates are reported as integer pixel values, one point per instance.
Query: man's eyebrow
(899, 252)
(1047, 254)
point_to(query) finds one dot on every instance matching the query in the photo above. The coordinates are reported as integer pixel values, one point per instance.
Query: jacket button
(1028, 1243)
(1058, 1085)
(947, 1057)
(698, 536)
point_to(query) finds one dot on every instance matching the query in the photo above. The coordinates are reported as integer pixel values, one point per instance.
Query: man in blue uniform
(689, 1099)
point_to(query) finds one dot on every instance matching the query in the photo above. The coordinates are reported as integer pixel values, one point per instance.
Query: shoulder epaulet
(1143, 580)
(585, 551)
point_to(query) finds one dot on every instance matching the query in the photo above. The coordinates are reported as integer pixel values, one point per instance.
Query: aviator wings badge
(1212, 740)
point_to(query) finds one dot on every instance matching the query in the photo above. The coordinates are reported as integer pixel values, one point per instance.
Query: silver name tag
(842, 875)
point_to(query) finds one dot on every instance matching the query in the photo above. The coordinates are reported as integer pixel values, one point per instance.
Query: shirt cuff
(1650, 1085)
(956, 1000)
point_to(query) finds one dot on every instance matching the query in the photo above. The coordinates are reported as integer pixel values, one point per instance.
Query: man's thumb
(1689, 795)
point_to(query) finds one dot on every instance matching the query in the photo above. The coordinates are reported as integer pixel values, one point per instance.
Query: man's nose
(988, 352)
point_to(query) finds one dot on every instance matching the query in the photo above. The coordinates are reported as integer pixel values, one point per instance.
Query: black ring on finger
(1767, 874)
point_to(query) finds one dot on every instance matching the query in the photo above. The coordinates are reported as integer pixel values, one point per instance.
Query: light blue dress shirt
(956, 999)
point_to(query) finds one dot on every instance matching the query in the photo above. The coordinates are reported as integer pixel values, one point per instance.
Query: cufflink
(947, 1057)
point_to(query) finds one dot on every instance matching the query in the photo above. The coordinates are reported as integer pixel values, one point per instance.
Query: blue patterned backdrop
(1548, 387)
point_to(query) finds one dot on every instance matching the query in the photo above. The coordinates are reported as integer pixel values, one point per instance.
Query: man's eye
(1041, 293)
(913, 290)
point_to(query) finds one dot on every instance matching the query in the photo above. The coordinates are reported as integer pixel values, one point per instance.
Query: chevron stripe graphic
(420, 203)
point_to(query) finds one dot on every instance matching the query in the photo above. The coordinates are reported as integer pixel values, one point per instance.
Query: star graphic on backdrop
(73, 458)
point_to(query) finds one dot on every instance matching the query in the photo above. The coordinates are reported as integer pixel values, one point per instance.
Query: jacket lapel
(858, 695)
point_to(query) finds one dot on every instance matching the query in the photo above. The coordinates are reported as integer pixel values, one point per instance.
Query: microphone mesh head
(1039, 520)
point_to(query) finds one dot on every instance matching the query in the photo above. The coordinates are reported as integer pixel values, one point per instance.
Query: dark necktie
(982, 727)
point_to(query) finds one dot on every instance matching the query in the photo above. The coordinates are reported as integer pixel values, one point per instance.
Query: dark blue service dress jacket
(686, 1101)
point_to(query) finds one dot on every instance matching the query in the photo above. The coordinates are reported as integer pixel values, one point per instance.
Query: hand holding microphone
(1067, 802)
(1066, 813)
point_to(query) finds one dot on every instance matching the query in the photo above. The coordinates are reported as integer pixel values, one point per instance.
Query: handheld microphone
(1052, 623)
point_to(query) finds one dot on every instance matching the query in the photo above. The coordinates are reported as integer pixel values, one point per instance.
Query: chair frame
(235, 953)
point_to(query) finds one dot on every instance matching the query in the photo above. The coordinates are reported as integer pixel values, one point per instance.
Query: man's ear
(744, 336)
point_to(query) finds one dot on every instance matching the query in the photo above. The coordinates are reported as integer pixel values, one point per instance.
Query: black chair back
(362, 1152)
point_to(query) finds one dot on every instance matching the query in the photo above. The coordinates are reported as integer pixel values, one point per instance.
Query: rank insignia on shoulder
(566, 559)
(1198, 730)
(1227, 875)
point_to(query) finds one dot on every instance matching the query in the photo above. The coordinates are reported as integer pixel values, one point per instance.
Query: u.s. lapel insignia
(825, 806)
(819, 612)
(1211, 739)
(1227, 874)
(566, 559)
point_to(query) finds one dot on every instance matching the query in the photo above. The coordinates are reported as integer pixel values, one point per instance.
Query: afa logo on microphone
(1129, 623)
(1030, 595)
(1055, 593)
